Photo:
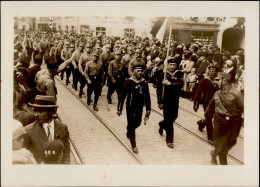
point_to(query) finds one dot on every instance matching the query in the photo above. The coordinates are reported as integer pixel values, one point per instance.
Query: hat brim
(43, 106)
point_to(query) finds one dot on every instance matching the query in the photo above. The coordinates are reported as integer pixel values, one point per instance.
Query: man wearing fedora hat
(226, 107)
(46, 128)
(137, 91)
(45, 83)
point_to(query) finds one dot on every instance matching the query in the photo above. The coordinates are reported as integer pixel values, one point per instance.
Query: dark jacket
(36, 137)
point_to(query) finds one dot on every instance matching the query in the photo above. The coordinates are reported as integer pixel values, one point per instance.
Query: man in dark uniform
(168, 100)
(116, 77)
(204, 93)
(227, 105)
(84, 58)
(138, 95)
(93, 73)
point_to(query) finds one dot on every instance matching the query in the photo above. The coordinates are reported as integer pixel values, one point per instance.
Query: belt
(229, 117)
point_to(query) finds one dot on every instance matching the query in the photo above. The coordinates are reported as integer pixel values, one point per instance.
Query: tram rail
(193, 114)
(120, 140)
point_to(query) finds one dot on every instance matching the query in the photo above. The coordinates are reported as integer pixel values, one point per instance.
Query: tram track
(198, 137)
(99, 118)
(125, 145)
(193, 114)
(74, 150)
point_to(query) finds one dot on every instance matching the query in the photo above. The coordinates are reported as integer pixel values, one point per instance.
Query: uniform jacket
(45, 84)
(171, 92)
(115, 70)
(137, 94)
(205, 92)
(36, 137)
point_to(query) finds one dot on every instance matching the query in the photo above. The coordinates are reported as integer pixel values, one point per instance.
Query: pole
(167, 56)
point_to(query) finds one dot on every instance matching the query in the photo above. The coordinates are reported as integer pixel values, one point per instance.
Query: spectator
(20, 154)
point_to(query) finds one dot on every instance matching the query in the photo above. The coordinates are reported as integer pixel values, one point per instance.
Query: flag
(160, 34)
(160, 28)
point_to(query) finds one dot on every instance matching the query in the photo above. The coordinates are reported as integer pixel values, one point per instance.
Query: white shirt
(45, 126)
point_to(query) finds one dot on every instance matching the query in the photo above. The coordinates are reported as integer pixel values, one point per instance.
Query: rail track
(123, 143)
(198, 137)
(191, 113)
(120, 140)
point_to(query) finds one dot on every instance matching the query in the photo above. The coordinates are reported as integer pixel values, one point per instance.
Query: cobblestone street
(97, 145)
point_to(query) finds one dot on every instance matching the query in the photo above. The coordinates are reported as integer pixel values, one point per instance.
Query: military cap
(72, 45)
(38, 59)
(222, 75)
(118, 52)
(81, 44)
(173, 60)
(67, 43)
(138, 66)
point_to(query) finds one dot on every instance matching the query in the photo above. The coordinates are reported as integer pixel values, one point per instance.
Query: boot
(80, 93)
(95, 107)
(88, 101)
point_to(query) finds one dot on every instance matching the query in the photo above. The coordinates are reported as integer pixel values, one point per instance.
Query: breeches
(225, 135)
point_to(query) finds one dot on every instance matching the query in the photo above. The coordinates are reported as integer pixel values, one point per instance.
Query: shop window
(100, 31)
(129, 33)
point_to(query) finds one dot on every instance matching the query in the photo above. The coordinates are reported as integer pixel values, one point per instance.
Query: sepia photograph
(130, 90)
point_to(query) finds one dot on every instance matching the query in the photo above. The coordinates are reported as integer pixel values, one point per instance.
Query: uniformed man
(54, 49)
(137, 60)
(227, 105)
(203, 95)
(116, 77)
(93, 73)
(126, 59)
(169, 99)
(45, 83)
(64, 51)
(74, 59)
(84, 58)
(70, 67)
(137, 92)
(105, 58)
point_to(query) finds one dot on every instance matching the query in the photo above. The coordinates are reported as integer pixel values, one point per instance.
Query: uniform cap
(81, 44)
(72, 45)
(138, 66)
(67, 43)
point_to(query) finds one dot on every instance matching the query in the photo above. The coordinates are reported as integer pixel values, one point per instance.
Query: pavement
(97, 145)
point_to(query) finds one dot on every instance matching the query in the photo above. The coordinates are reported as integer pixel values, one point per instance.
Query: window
(129, 33)
(101, 31)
